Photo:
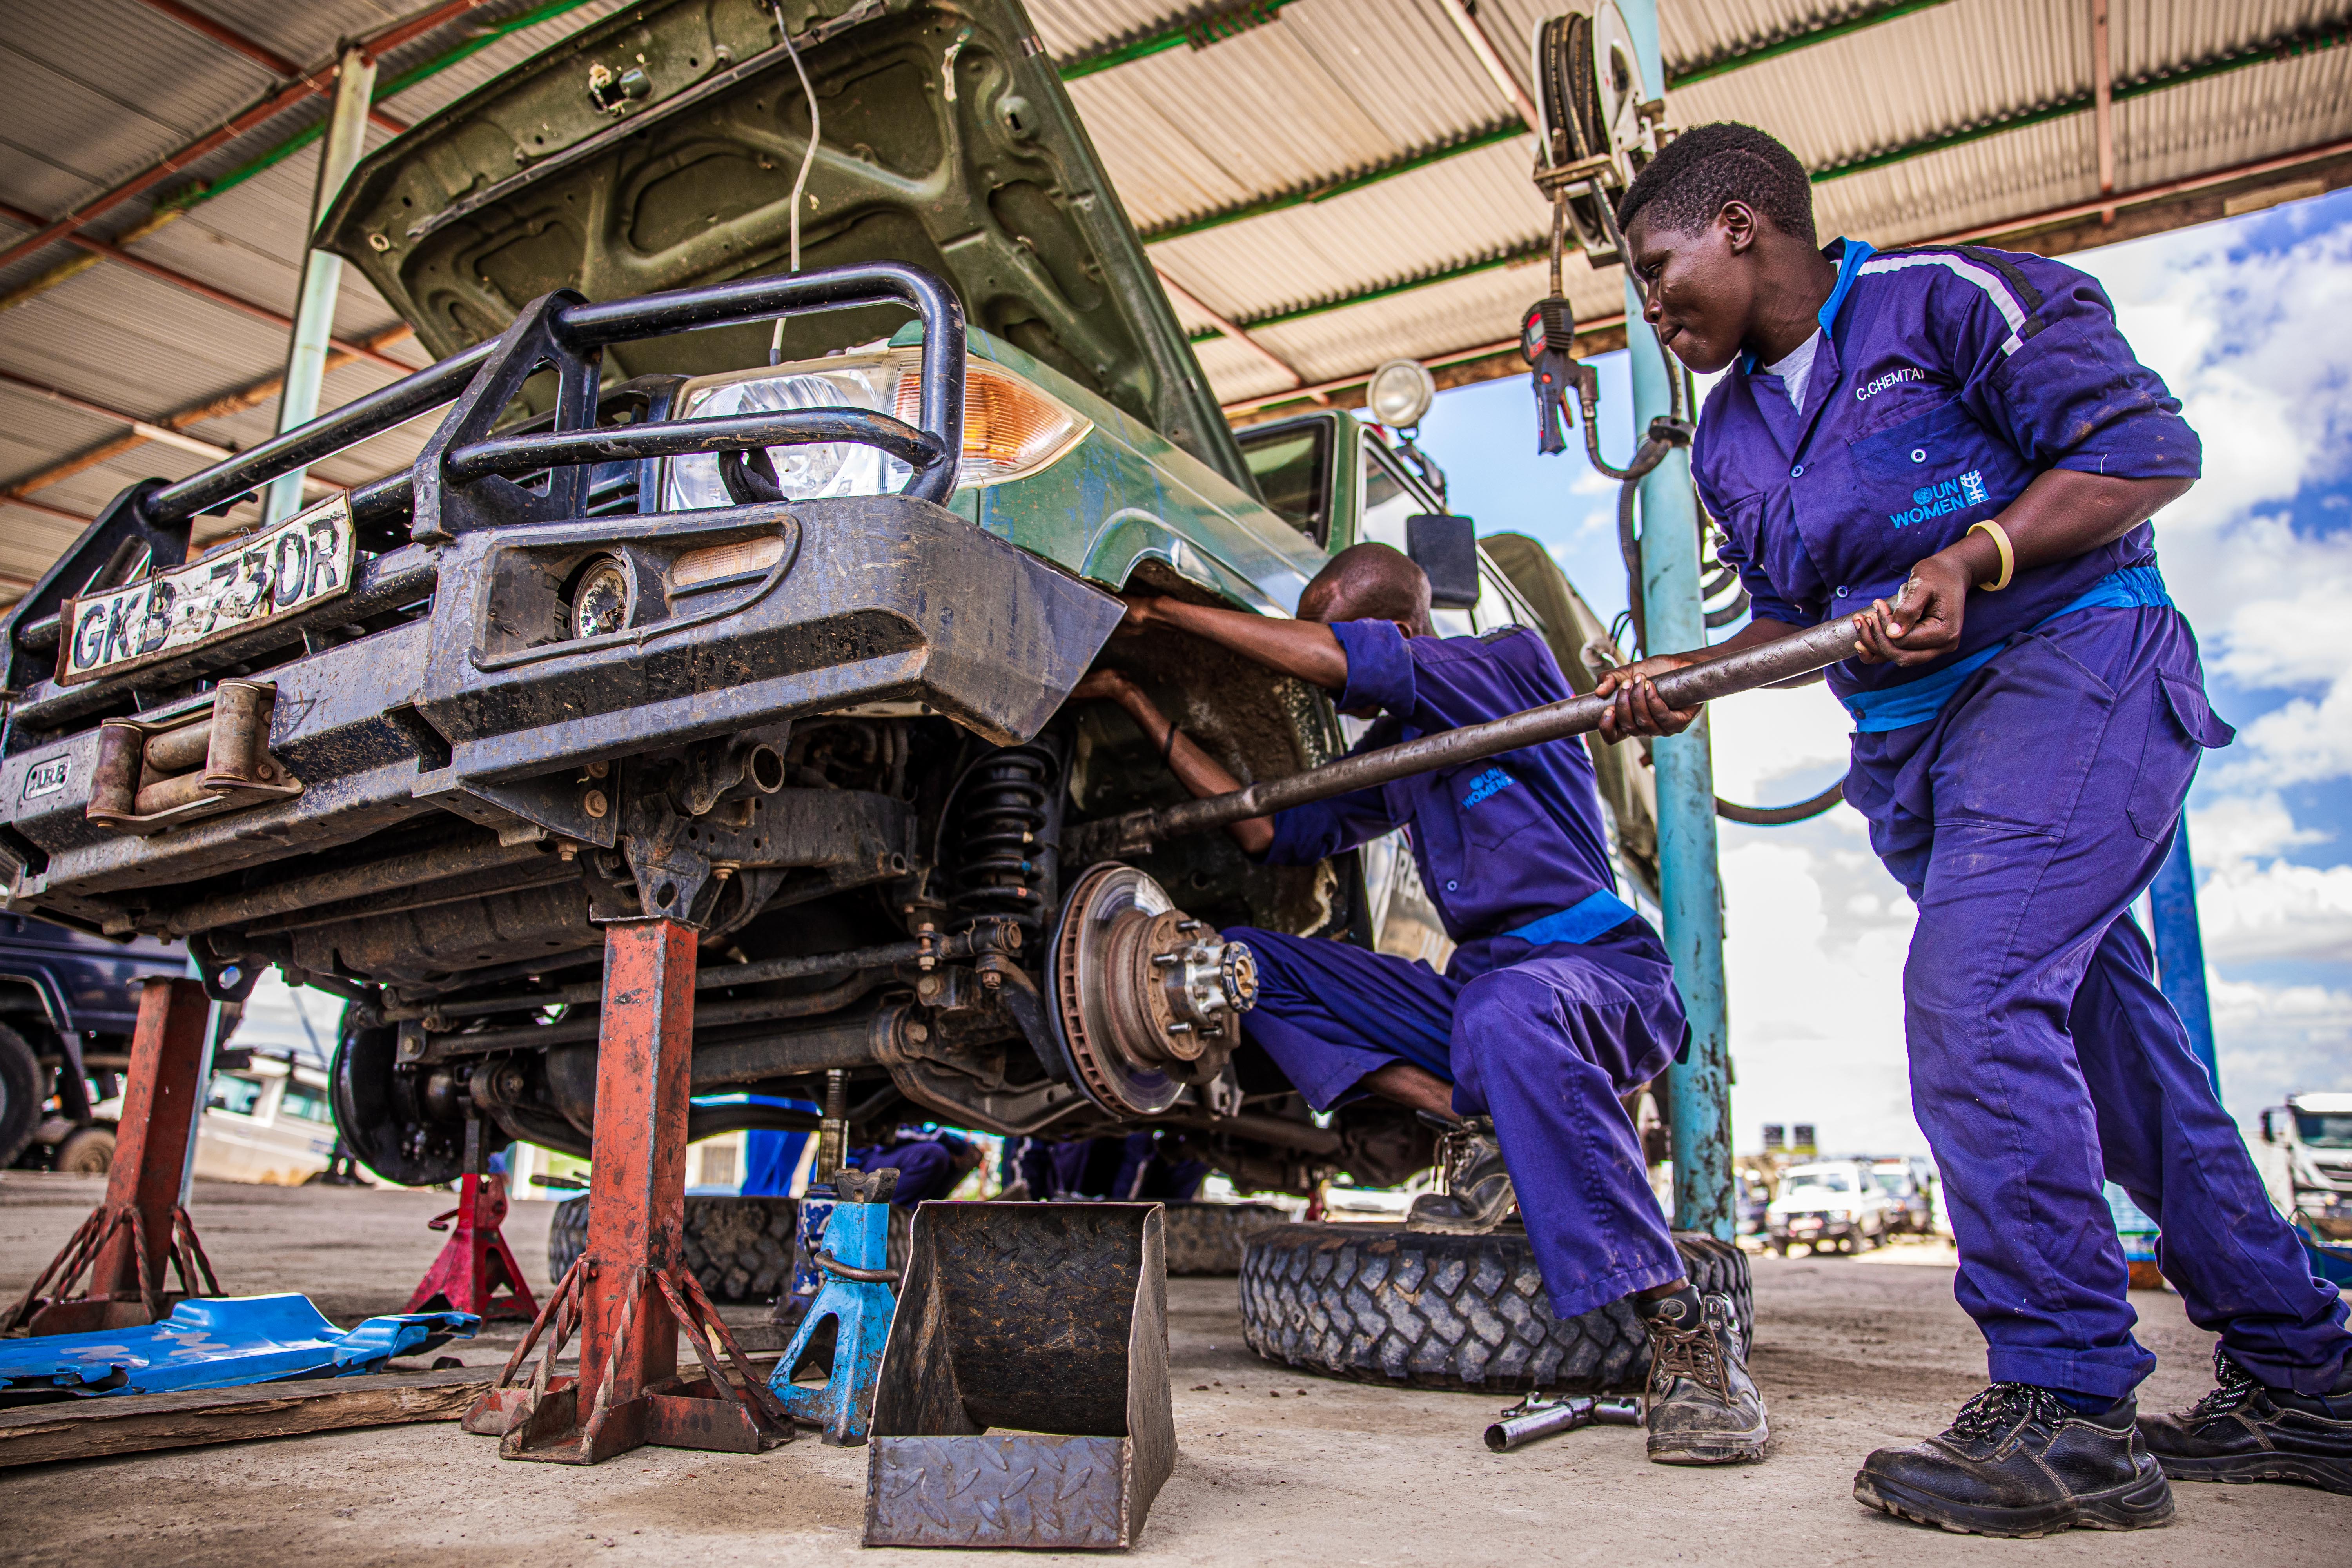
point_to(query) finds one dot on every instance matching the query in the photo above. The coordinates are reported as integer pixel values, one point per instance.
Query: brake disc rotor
(1139, 989)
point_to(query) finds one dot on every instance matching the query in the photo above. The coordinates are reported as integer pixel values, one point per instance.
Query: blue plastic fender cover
(219, 1342)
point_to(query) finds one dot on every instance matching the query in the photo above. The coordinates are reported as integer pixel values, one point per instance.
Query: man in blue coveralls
(1558, 997)
(1959, 444)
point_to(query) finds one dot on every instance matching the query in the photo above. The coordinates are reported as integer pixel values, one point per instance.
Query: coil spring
(1004, 865)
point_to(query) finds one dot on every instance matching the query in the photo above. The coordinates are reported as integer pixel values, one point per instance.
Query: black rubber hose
(1780, 816)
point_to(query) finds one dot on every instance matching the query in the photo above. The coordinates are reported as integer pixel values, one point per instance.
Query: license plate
(303, 561)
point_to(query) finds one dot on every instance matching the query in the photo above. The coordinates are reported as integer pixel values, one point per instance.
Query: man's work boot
(1478, 1196)
(2245, 1432)
(2017, 1461)
(1702, 1407)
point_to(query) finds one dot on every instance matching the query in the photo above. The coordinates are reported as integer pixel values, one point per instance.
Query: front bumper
(874, 598)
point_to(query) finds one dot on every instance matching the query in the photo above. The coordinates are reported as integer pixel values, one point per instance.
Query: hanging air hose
(1567, 80)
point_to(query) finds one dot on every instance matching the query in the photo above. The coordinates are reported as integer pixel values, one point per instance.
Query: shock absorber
(1008, 819)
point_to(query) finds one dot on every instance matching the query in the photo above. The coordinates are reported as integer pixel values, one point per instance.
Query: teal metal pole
(1690, 885)
(322, 273)
(2181, 949)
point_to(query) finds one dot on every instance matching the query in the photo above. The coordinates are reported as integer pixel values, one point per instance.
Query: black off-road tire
(23, 1088)
(740, 1249)
(1207, 1239)
(1376, 1303)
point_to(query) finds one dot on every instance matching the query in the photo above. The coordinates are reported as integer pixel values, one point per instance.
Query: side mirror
(2270, 1134)
(1446, 548)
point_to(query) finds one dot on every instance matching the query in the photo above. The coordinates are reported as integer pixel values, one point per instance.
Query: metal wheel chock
(844, 1330)
(1049, 1320)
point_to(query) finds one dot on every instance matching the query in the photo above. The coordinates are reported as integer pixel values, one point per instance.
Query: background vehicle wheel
(1207, 1239)
(740, 1249)
(21, 1093)
(1382, 1304)
(86, 1151)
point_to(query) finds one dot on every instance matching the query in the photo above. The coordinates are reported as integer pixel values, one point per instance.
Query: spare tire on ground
(1378, 1303)
(740, 1249)
(1207, 1238)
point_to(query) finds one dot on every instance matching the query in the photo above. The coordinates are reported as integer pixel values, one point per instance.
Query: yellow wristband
(1999, 537)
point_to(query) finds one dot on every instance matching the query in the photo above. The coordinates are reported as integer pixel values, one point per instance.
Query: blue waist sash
(1916, 702)
(1580, 922)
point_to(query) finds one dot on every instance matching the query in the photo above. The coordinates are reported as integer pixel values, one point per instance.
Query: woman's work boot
(2017, 1461)
(1478, 1196)
(1702, 1407)
(2245, 1432)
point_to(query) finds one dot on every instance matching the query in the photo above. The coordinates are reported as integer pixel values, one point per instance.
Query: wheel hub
(1141, 991)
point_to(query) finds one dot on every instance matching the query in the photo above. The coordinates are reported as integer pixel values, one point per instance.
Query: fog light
(600, 601)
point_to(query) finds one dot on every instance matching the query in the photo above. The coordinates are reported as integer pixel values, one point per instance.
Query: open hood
(658, 148)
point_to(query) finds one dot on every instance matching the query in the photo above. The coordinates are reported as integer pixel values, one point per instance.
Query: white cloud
(2275, 911)
(2278, 1039)
(2259, 349)
(2238, 827)
(1813, 946)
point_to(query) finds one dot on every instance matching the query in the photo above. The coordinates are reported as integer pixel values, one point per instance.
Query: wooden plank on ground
(131, 1423)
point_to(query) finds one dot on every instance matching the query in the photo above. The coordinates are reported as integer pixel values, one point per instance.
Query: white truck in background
(2306, 1156)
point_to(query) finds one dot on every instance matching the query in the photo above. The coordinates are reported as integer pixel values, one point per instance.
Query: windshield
(1821, 1180)
(1891, 1182)
(2315, 1132)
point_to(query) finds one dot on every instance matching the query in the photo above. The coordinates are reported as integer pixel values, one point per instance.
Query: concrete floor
(1274, 1468)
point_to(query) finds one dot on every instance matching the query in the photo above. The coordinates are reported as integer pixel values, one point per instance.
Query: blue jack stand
(850, 1318)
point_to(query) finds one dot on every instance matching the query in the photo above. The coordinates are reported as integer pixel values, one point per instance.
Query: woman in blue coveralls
(1956, 442)
(1558, 997)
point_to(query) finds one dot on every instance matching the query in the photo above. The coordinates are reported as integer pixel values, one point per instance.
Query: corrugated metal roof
(1380, 173)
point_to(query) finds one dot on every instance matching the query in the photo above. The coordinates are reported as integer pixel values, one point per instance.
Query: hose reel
(1600, 124)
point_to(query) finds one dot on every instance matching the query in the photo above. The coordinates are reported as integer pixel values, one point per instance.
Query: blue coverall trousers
(2025, 819)
(1545, 1044)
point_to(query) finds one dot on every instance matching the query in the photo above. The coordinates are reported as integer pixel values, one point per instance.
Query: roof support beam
(268, 59)
(198, 286)
(2048, 218)
(490, 32)
(1191, 301)
(249, 396)
(2282, 47)
(1474, 32)
(74, 219)
(1210, 28)
(10, 498)
(1381, 291)
(161, 434)
(1506, 131)
(1689, 71)
(2103, 86)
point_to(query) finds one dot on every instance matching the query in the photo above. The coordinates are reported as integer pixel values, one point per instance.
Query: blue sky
(2250, 322)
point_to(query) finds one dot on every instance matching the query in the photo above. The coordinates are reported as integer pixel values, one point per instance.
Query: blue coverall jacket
(2024, 789)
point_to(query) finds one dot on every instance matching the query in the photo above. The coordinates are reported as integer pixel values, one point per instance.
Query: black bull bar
(464, 704)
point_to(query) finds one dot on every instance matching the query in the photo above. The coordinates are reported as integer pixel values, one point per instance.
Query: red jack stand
(630, 1292)
(476, 1261)
(139, 1229)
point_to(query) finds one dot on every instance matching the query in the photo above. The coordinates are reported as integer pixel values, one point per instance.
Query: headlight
(1840, 1215)
(1011, 429)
